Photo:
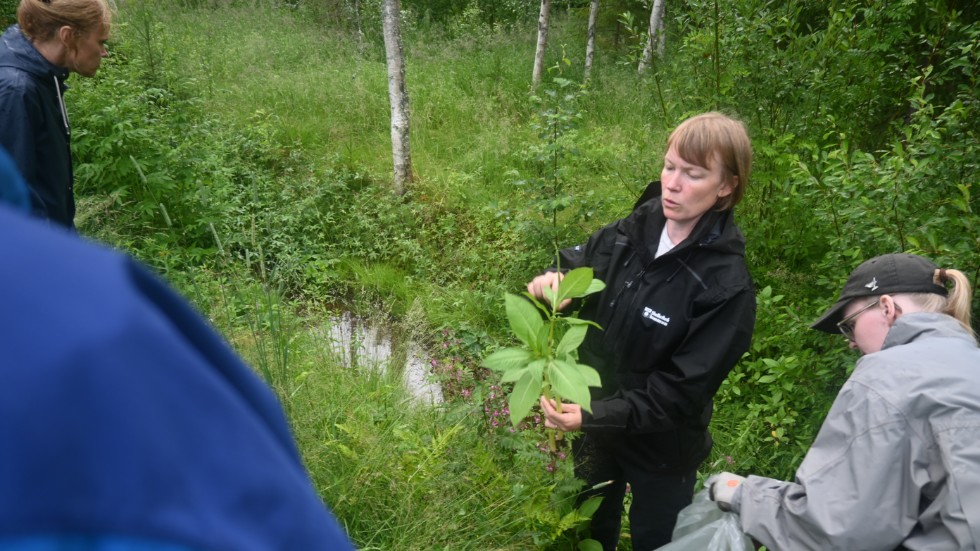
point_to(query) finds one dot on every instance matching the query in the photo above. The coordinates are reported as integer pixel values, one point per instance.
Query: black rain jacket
(34, 126)
(672, 329)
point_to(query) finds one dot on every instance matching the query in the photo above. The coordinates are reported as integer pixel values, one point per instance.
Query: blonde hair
(698, 139)
(40, 20)
(957, 304)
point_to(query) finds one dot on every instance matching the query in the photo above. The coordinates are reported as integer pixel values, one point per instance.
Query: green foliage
(242, 149)
(547, 364)
(551, 196)
(770, 407)
(8, 13)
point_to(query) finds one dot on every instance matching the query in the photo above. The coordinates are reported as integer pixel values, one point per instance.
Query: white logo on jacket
(649, 314)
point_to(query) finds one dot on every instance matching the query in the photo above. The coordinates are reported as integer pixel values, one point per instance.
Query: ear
(65, 36)
(728, 186)
(890, 309)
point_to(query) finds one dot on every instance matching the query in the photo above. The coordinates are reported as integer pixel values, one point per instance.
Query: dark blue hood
(17, 51)
(34, 126)
(125, 418)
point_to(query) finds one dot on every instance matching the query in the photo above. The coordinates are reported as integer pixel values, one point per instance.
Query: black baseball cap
(882, 275)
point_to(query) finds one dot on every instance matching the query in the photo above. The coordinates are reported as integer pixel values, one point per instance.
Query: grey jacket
(897, 461)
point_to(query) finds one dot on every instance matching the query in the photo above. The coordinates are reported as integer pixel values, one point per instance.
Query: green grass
(397, 475)
(267, 128)
(307, 222)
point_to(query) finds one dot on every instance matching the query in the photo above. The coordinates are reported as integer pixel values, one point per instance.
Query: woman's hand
(569, 420)
(548, 279)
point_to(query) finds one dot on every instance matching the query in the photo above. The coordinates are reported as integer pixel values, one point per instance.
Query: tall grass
(397, 474)
(263, 134)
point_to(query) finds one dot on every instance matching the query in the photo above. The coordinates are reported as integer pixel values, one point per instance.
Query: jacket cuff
(603, 417)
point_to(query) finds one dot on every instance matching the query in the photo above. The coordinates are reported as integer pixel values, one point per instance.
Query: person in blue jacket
(13, 190)
(52, 39)
(126, 422)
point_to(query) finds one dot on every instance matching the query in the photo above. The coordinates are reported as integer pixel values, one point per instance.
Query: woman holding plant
(52, 39)
(896, 464)
(677, 313)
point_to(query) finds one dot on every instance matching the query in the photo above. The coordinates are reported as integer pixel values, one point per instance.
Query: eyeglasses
(846, 325)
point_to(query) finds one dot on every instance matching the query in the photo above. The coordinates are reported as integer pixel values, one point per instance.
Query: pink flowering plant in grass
(547, 362)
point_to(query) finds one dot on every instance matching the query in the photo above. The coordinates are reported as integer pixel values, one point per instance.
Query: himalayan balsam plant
(547, 363)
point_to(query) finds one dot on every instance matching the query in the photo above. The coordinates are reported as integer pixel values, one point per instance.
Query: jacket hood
(139, 422)
(17, 51)
(915, 325)
(716, 230)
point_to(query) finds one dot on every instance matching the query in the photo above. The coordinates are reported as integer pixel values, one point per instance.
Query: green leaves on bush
(548, 362)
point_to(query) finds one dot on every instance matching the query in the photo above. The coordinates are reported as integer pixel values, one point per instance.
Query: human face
(868, 326)
(690, 190)
(846, 324)
(86, 57)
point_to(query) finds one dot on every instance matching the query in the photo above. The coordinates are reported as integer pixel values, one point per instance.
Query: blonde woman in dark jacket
(676, 315)
(52, 39)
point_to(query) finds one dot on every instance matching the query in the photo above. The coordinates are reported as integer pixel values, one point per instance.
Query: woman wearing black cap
(896, 464)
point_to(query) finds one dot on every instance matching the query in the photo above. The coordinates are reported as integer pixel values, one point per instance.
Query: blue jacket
(13, 190)
(126, 422)
(34, 126)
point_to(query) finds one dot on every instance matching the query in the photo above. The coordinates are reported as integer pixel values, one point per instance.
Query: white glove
(722, 487)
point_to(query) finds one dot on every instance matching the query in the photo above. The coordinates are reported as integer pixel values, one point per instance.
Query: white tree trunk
(590, 45)
(656, 19)
(661, 37)
(542, 41)
(397, 94)
(357, 23)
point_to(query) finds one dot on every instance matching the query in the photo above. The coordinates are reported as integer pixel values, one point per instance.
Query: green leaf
(589, 507)
(571, 340)
(525, 394)
(568, 382)
(589, 375)
(535, 368)
(512, 375)
(574, 284)
(537, 303)
(508, 359)
(579, 321)
(549, 295)
(594, 287)
(525, 321)
(541, 346)
(589, 545)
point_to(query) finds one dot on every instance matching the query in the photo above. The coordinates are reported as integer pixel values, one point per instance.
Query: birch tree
(590, 45)
(397, 94)
(543, 18)
(661, 37)
(656, 24)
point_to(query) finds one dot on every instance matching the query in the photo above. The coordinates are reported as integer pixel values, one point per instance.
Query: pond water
(359, 344)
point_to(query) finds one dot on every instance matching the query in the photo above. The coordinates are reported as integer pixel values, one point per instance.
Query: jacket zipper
(61, 103)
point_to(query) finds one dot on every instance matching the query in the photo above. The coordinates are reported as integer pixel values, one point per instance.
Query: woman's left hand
(569, 420)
